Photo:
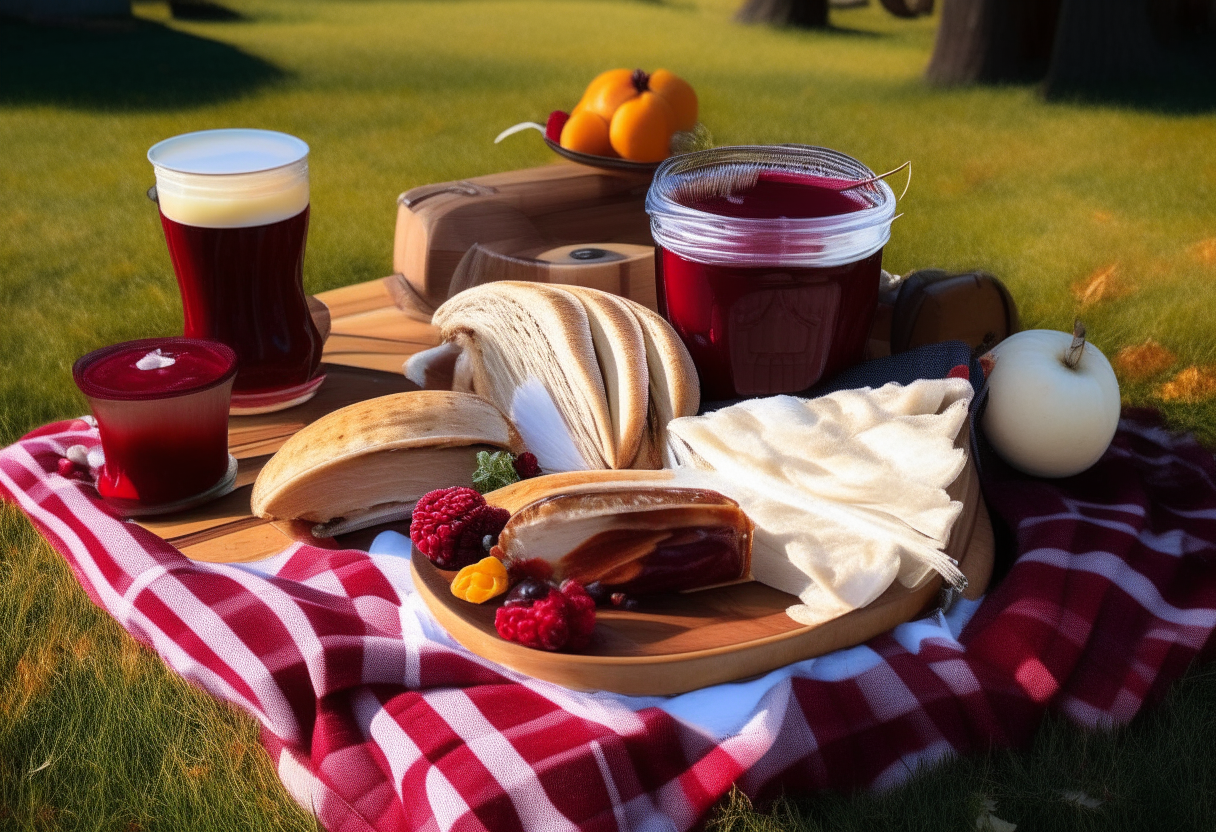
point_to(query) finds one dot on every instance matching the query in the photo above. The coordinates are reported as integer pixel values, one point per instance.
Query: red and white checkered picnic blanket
(378, 721)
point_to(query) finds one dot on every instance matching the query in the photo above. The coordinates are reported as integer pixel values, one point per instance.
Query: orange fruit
(679, 94)
(612, 78)
(635, 115)
(641, 128)
(611, 93)
(586, 132)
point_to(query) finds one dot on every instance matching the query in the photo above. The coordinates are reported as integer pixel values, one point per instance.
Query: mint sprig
(494, 471)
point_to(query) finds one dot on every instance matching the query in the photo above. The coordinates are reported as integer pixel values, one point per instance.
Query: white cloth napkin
(847, 491)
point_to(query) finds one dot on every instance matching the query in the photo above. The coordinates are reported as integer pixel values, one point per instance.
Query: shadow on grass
(847, 31)
(131, 64)
(202, 10)
(1183, 84)
(830, 30)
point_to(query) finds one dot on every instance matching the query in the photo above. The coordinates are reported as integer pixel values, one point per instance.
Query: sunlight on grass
(94, 729)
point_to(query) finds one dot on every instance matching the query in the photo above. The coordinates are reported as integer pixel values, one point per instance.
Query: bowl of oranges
(627, 119)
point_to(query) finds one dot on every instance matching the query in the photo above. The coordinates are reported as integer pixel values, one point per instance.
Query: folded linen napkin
(847, 491)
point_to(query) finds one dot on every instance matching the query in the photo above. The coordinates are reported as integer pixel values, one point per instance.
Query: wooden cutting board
(681, 642)
(672, 644)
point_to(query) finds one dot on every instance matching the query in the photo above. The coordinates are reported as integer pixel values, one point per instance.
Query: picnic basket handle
(411, 198)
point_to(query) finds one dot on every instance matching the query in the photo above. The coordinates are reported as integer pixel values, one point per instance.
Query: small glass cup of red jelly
(161, 406)
(767, 263)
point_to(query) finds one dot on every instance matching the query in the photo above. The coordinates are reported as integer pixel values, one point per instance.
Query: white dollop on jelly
(78, 455)
(155, 360)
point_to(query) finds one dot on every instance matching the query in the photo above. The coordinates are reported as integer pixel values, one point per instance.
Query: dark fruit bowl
(606, 162)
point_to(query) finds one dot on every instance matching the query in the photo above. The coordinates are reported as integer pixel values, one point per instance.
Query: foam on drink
(231, 178)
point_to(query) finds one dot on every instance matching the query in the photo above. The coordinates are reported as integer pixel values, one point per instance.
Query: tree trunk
(1177, 21)
(802, 13)
(993, 41)
(1102, 43)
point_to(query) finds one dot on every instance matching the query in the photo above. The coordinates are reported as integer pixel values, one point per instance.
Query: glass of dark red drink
(161, 406)
(234, 206)
(767, 263)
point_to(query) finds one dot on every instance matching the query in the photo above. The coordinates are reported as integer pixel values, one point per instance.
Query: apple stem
(1073, 357)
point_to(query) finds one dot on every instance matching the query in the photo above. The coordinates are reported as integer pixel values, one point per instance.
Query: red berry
(553, 127)
(450, 524)
(527, 466)
(68, 469)
(581, 615)
(558, 618)
(542, 625)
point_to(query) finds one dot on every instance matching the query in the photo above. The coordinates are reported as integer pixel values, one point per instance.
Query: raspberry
(526, 466)
(450, 524)
(553, 127)
(581, 615)
(541, 625)
(559, 618)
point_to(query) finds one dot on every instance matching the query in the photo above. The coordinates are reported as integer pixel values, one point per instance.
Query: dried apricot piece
(481, 581)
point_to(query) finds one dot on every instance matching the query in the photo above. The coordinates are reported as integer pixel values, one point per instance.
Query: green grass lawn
(96, 734)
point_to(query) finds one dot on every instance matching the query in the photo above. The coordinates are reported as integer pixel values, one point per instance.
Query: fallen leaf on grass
(1101, 285)
(46, 764)
(1080, 799)
(1205, 251)
(1192, 385)
(988, 822)
(1143, 361)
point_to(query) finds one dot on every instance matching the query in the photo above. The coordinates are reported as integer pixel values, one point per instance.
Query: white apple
(1053, 402)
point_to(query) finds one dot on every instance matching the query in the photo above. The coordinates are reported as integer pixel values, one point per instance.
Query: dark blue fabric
(929, 361)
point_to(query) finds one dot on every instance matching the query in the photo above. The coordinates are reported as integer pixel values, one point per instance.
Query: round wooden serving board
(681, 642)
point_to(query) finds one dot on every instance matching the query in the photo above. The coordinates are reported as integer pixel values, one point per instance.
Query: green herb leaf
(494, 470)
